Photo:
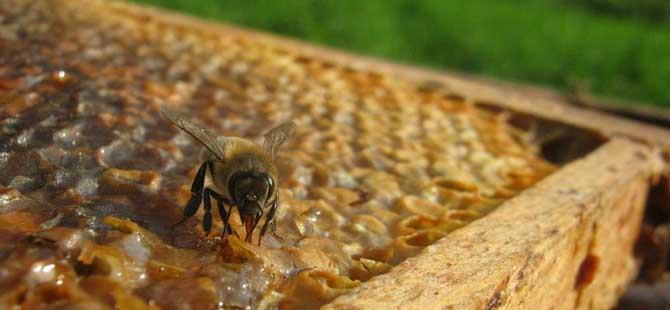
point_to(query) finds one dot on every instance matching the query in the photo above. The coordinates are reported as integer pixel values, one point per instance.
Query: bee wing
(205, 136)
(275, 137)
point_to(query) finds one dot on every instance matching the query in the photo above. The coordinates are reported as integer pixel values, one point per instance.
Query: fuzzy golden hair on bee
(239, 146)
(236, 172)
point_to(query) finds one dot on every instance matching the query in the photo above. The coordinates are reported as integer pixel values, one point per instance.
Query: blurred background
(614, 48)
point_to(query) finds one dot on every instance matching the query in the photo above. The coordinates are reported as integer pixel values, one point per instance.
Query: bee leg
(273, 229)
(225, 216)
(247, 238)
(270, 221)
(229, 228)
(207, 219)
(190, 209)
(196, 194)
(230, 212)
(264, 228)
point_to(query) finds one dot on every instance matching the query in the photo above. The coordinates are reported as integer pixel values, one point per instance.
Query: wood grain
(565, 243)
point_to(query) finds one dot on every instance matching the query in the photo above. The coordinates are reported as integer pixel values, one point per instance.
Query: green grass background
(618, 48)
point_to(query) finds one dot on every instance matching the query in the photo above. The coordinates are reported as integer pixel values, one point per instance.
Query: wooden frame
(565, 243)
(549, 247)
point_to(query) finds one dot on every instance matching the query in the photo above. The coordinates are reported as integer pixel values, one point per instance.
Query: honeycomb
(93, 178)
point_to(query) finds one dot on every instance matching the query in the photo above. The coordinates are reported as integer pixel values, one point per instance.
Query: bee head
(250, 190)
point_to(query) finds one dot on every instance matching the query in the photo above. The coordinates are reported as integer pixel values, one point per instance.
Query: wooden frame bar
(549, 247)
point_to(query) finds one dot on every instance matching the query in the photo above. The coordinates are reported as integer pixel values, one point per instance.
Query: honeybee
(237, 173)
